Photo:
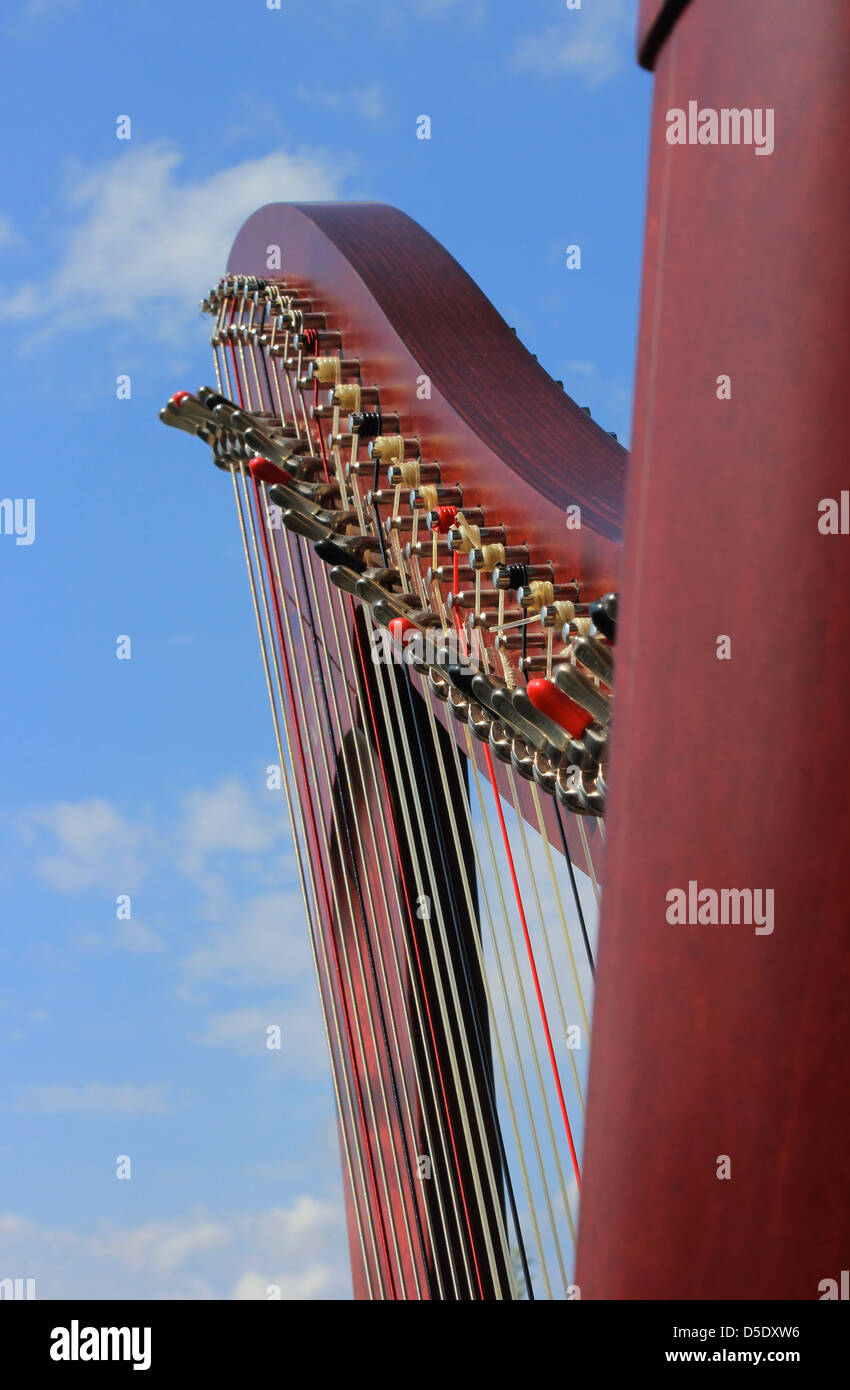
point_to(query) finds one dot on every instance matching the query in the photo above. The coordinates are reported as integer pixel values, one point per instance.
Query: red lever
(399, 627)
(551, 701)
(262, 470)
(180, 396)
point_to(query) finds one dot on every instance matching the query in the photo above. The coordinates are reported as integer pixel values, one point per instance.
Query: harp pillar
(713, 1040)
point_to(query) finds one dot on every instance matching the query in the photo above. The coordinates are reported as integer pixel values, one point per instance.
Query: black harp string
(472, 1002)
(330, 595)
(446, 1023)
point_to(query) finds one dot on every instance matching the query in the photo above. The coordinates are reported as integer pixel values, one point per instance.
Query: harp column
(715, 1040)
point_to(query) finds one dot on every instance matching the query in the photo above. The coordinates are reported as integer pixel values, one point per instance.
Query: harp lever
(263, 443)
(305, 524)
(579, 688)
(342, 577)
(334, 554)
(169, 416)
(595, 657)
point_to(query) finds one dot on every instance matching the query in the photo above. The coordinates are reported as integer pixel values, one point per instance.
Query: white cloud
(94, 846)
(591, 42)
(303, 1046)
(225, 817)
(262, 940)
(143, 246)
(132, 936)
(161, 1247)
(367, 102)
(95, 1099)
(300, 1248)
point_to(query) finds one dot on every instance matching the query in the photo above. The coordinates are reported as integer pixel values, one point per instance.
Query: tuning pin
(368, 424)
(392, 448)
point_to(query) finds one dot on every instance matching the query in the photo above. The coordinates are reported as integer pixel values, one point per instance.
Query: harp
(415, 574)
(433, 534)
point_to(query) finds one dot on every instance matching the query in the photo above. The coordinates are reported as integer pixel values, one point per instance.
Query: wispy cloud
(224, 817)
(134, 937)
(142, 244)
(297, 1249)
(591, 43)
(92, 845)
(95, 1099)
(303, 1047)
(242, 923)
(8, 235)
(77, 846)
(367, 102)
(262, 941)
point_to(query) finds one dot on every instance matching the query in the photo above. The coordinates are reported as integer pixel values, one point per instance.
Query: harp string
(332, 878)
(390, 934)
(496, 1031)
(458, 1014)
(385, 1013)
(453, 1019)
(507, 916)
(526, 934)
(442, 1109)
(331, 595)
(527, 937)
(345, 856)
(360, 1127)
(484, 975)
(285, 762)
(359, 1193)
(588, 858)
(564, 1193)
(345, 851)
(574, 886)
(496, 1028)
(577, 985)
(381, 988)
(472, 1002)
(544, 931)
(363, 671)
(443, 1112)
(277, 392)
(530, 1035)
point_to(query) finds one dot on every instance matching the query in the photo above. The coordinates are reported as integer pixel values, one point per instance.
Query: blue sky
(146, 777)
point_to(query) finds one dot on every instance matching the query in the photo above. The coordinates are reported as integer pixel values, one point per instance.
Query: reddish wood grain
(500, 425)
(710, 1040)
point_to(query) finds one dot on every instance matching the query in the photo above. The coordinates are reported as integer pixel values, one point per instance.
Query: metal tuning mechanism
(579, 689)
(596, 657)
(604, 614)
